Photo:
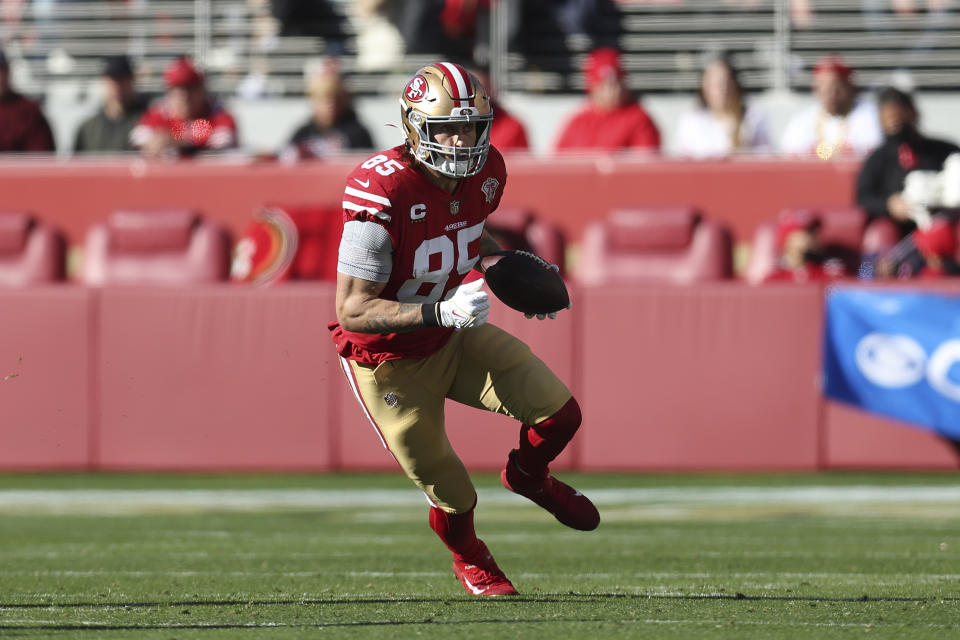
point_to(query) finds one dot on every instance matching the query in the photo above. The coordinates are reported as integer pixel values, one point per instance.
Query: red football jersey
(435, 237)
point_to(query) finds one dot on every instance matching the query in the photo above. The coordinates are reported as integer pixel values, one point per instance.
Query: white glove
(553, 314)
(468, 307)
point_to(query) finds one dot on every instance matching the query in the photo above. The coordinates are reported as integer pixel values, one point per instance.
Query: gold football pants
(483, 367)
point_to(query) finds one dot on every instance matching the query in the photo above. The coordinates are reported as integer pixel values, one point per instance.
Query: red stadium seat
(654, 244)
(843, 231)
(517, 228)
(172, 247)
(30, 252)
(318, 228)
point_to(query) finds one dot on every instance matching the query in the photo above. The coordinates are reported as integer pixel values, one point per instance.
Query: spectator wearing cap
(839, 124)
(23, 126)
(801, 256)
(937, 245)
(881, 180)
(186, 120)
(334, 125)
(722, 124)
(109, 129)
(612, 119)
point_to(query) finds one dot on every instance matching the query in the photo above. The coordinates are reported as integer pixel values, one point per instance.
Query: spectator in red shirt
(801, 253)
(186, 120)
(938, 246)
(507, 133)
(612, 119)
(23, 126)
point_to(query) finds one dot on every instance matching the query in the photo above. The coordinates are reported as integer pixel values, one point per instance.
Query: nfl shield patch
(391, 399)
(455, 207)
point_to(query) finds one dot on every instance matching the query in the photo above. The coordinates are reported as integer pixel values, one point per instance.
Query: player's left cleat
(481, 576)
(567, 505)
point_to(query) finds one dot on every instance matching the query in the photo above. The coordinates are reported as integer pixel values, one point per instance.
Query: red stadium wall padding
(480, 438)
(708, 377)
(216, 378)
(858, 440)
(570, 191)
(719, 376)
(45, 382)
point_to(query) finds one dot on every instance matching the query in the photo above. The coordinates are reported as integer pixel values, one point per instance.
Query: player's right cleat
(480, 575)
(567, 505)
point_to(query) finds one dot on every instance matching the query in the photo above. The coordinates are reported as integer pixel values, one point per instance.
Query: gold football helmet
(439, 93)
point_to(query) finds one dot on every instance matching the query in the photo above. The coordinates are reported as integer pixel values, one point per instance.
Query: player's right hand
(469, 307)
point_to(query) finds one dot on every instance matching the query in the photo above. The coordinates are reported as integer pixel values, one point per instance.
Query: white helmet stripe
(453, 72)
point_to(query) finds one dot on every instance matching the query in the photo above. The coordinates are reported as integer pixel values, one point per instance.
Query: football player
(410, 334)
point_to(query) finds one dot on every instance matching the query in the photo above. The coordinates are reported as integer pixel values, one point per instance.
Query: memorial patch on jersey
(489, 188)
(416, 89)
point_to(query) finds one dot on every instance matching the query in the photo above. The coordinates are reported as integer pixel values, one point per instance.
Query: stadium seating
(654, 244)
(518, 228)
(30, 252)
(318, 228)
(172, 247)
(844, 232)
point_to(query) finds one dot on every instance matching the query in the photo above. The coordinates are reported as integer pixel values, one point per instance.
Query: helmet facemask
(450, 160)
(441, 94)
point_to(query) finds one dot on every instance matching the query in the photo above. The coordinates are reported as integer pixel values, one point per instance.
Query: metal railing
(61, 42)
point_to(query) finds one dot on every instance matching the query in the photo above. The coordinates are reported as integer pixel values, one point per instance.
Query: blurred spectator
(109, 129)
(840, 123)
(23, 126)
(612, 119)
(334, 125)
(904, 149)
(802, 257)
(929, 252)
(937, 246)
(801, 14)
(540, 20)
(506, 133)
(311, 18)
(378, 41)
(186, 120)
(447, 28)
(722, 124)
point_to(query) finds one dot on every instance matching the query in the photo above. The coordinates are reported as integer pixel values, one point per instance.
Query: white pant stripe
(347, 371)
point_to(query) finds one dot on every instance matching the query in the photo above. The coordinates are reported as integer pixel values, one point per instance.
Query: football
(525, 282)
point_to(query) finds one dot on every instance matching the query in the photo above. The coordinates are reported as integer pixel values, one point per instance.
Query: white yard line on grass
(125, 500)
(782, 579)
(729, 623)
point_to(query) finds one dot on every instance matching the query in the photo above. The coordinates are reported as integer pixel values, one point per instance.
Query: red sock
(456, 530)
(541, 443)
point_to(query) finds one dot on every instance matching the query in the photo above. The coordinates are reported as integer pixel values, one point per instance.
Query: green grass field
(806, 556)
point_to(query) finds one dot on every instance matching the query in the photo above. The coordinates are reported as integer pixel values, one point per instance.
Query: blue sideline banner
(896, 354)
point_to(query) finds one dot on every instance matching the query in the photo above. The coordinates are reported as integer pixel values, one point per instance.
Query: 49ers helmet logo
(416, 89)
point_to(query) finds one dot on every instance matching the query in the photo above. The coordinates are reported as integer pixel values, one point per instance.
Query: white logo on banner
(891, 361)
(896, 361)
(938, 372)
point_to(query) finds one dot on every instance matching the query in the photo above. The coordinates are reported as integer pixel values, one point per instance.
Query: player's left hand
(553, 314)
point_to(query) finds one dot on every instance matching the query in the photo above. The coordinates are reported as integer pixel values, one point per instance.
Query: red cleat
(481, 576)
(567, 505)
